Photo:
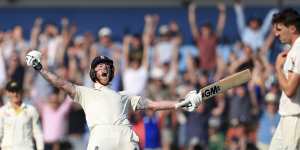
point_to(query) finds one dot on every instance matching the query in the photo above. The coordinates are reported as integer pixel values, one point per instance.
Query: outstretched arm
(33, 58)
(59, 82)
(190, 103)
(156, 105)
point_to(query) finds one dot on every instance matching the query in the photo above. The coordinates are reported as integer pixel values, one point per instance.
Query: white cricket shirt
(18, 129)
(106, 113)
(291, 106)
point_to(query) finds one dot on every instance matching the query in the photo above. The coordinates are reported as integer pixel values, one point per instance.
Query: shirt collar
(98, 86)
(23, 105)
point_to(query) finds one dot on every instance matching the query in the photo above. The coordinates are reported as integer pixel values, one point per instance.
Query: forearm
(240, 17)
(155, 105)
(58, 82)
(192, 21)
(164, 105)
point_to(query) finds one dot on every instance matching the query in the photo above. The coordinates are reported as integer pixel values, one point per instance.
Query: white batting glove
(33, 58)
(191, 101)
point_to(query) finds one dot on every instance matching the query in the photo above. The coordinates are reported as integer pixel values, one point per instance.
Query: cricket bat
(224, 84)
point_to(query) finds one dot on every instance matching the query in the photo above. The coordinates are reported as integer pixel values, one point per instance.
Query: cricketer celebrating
(287, 27)
(106, 110)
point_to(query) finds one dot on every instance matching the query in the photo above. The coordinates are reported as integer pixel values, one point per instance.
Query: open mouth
(104, 74)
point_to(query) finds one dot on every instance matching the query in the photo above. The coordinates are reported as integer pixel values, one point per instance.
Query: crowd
(159, 66)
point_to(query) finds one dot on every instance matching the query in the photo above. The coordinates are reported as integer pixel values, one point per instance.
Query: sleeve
(37, 131)
(296, 63)
(79, 91)
(240, 18)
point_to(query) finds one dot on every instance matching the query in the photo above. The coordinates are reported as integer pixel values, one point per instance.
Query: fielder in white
(19, 122)
(287, 27)
(106, 110)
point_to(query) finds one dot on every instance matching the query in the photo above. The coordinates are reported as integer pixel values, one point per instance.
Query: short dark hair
(288, 17)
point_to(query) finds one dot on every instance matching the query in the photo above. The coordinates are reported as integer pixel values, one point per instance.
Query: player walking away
(19, 122)
(106, 110)
(287, 27)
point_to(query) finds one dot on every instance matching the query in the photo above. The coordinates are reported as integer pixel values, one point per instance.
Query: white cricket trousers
(109, 137)
(287, 134)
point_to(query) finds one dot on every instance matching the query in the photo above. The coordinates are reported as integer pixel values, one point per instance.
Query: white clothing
(107, 117)
(291, 106)
(287, 134)
(19, 128)
(254, 39)
(164, 51)
(135, 80)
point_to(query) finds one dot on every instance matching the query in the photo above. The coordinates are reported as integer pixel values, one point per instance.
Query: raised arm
(221, 19)
(35, 31)
(240, 17)
(267, 21)
(58, 82)
(192, 20)
(126, 44)
(33, 59)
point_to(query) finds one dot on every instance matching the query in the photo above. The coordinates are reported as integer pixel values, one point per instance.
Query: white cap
(104, 31)
(79, 39)
(163, 29)
(214, 122)
(156, 73)
(270, 97)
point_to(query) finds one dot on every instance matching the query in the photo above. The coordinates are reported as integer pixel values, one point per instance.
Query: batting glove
(190, 102)
(33, 58)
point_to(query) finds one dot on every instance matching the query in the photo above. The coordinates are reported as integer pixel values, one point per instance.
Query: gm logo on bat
(211, 91)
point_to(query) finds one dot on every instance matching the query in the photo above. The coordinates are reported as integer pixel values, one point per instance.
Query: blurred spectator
(138, 127)
(76, 127)
(15, 69)
(268, 122)
(240, 105)
(206, 38)
(163, 49)
(13, 41)
(252, 34)
(152, 131)
(216, 137)
(51, 43)
(236, 138)
(54, 110)
(197, 128)
(136, 64)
